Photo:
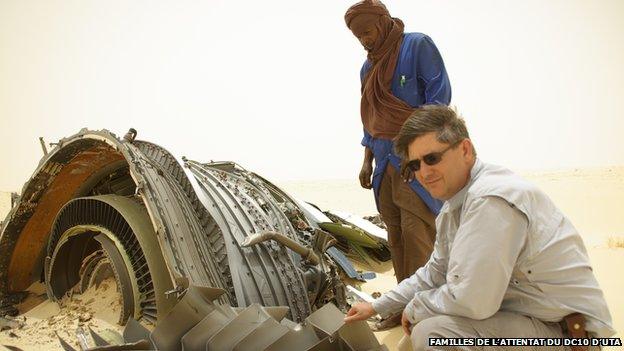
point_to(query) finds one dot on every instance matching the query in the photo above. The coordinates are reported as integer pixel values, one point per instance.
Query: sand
(97, 308)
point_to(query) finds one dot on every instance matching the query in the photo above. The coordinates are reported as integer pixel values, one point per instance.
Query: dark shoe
(388, 323)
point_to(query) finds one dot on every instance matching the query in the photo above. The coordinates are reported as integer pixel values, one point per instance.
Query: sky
(274, 85)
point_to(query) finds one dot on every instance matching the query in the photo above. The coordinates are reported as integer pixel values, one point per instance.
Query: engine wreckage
(213, 256)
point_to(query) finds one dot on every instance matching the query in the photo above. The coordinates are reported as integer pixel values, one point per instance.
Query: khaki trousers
(500, 325)
(411, 225)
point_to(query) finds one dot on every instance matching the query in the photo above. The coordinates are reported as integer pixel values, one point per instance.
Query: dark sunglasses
(430, 159)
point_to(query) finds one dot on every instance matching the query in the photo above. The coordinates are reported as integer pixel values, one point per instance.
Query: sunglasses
(430, 159)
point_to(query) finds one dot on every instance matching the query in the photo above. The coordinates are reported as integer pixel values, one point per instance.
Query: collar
(458, 199)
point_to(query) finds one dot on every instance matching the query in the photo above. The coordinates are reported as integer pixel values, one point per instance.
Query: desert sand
(592, 198)
(44, 320)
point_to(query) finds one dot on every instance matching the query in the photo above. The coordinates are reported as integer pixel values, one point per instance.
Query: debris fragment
(84, 317)
(9, 323)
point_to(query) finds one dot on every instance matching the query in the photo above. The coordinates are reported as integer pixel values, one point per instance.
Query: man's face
(451, 174)
(364, 27)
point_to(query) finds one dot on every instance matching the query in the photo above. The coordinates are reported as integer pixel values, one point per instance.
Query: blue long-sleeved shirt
(419, 78)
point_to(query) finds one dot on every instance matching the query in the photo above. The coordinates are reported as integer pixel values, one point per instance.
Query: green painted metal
(352, 234)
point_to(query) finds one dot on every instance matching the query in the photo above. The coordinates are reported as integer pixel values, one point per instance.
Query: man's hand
(359, 312)
(365, 175)
(406, 174)
(367, 169)
(407, 326)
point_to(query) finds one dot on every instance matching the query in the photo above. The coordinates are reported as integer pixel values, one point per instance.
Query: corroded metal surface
(26, 232)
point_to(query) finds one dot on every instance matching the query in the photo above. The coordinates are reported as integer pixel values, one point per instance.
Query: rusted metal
(25, 234)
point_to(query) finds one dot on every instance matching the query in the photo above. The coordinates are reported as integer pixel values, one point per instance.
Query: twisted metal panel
(268, 273)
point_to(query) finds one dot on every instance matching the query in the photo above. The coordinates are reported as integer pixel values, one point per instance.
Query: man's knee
(434, 327)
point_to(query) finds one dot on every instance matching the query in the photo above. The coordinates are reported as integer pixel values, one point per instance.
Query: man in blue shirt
(402, 71)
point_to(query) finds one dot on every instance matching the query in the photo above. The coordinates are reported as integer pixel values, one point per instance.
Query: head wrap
(382, 113)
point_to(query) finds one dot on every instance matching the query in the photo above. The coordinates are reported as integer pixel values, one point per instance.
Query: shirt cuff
(385, 306)
(410, 313)
(366, 139)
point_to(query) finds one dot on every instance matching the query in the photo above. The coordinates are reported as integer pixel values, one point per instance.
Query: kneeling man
(506, 262)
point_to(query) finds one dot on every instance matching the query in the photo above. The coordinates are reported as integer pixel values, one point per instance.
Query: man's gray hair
(449, 127)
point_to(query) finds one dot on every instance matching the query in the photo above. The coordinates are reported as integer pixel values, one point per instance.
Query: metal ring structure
(119, 227)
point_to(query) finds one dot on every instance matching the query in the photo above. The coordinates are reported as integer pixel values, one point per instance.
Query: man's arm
(432, 73)
(427, 277)
(367, 169)
(482, 258)
(430, 276)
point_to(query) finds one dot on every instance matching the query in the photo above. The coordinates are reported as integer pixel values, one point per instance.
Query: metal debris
(43, 146)
(358, 295)
(99, 206)
(9, 323)
(253, 328)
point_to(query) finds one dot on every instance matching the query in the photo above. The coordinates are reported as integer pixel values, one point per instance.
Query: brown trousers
(411, 225)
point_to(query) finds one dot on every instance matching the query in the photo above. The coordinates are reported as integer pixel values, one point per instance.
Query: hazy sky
(274, 85)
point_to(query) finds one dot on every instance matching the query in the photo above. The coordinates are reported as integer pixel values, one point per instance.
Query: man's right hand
(365, 175)
(359, 312)
(406, 174)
